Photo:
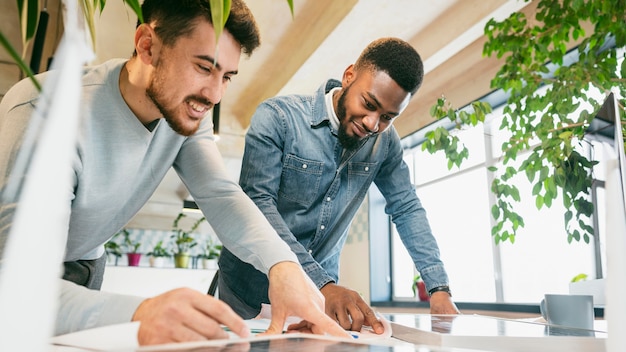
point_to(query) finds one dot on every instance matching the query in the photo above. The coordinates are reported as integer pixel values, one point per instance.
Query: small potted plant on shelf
(184, 241)
(112, 248)
(158, 255)
(419, 289)
(210, 254)
(132, 248)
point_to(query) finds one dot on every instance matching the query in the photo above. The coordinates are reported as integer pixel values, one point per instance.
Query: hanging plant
(546, 124)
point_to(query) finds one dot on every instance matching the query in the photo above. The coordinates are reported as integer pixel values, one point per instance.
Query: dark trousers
(88, 273)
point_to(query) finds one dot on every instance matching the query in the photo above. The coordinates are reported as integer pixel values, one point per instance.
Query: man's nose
(213, 90)
(371, 123)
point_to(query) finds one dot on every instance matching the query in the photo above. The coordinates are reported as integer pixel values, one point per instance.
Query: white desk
(493, 334)
(148, 281)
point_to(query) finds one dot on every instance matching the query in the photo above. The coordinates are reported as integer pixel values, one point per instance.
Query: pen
(253, 331)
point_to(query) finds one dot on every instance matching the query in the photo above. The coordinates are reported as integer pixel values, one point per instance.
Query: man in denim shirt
(308, 164)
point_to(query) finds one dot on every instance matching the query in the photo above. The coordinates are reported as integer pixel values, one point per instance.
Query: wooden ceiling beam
(310, 27)
(452, 24)
(463, 78)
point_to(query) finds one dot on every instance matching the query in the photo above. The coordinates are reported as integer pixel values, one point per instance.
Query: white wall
(354, 270)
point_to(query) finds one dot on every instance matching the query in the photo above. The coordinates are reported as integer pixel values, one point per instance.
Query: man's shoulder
(99, 74)
(289, 99)
(298, 101)
(22, 92)
(289, 104)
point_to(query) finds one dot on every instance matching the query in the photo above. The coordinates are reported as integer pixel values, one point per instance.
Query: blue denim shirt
(297, 173)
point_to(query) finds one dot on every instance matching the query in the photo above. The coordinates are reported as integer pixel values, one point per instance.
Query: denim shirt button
(328, 199)
(322, 227)
(367, 168)
(310, 251)
(304, 166)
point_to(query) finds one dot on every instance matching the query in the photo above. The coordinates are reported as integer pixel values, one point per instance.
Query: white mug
(574, 311)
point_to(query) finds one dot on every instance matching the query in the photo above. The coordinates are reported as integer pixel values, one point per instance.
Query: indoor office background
(457, 201)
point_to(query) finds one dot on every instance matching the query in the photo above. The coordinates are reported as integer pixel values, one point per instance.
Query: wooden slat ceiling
(448, 35)
(324, 36)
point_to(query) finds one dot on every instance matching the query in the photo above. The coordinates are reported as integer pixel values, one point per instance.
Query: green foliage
(112, 247)
(550, 125)
(416, 279)
(29, 20)
(211, 250)
(441, 139)
(29, 16)
(220, 9)
(579, 277)
(159, 250)
(129, 245)
(183, 239)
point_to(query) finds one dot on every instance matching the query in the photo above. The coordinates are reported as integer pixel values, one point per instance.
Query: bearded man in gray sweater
(140, 117)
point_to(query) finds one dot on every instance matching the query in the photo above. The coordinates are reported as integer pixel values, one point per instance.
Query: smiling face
(368, 104)
(186, 82)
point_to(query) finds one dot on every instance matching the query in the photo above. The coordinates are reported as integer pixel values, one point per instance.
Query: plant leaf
(290, 3)
(89, 8)
(29, 15)
(136, 7)
(220, 9)
(18, 60)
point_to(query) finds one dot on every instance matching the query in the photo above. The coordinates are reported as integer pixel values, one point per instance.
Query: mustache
(367, 130)
(200, 100)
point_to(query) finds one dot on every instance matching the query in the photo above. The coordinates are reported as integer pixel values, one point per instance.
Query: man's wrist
(440, 289)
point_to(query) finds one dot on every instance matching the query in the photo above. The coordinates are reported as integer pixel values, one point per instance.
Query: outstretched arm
(292, 293)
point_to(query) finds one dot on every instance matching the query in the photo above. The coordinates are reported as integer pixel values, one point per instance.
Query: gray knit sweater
(117, 166)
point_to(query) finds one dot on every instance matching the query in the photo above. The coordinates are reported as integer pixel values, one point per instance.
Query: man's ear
(348, 76)
(146, 44)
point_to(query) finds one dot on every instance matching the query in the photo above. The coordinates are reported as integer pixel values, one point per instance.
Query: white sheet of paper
(106, 338)
(124, 336)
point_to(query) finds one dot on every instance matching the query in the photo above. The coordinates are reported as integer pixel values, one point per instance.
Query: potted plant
(158, 255)
(419, 289)
(210, 254)
(131, 248)
(184, 241)
(112, 248)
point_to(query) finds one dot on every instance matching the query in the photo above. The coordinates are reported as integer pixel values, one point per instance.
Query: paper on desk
(366, 331)
(106, 338)
(124, 336)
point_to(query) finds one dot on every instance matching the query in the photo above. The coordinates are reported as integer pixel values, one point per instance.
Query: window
(540, 261)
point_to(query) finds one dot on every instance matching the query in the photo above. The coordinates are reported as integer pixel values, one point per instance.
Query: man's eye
(386, 117)
(204, 68)
(228, 78)
(369, 105)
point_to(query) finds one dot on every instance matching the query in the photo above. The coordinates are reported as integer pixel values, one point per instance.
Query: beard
(347, 141)
(156, 94)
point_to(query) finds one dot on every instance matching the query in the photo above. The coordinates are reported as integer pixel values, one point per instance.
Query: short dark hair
(395, 57)
(176, 18)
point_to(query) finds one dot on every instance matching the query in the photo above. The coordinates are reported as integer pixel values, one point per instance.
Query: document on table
(123, 337)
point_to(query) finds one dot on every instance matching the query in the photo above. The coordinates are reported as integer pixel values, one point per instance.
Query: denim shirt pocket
(300, 179)
(360, 176)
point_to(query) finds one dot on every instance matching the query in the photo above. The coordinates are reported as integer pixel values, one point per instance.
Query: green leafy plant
(183, 239)
(160, 250)
(29, 10)
(416, 279)
(419, 289)
(129, 245)
(546, 126)
(211, 250)
(579, 277)
(111, 247)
